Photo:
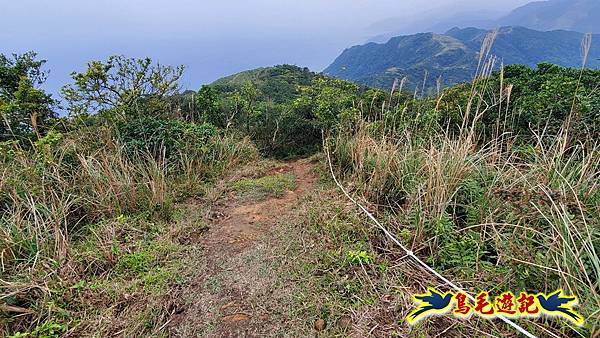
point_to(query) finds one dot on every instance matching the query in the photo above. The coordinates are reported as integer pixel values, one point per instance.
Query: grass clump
(137, 262)
(265, 187)
(487, 214)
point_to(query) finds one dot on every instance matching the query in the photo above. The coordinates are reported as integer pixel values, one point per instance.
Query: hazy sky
(211, 38)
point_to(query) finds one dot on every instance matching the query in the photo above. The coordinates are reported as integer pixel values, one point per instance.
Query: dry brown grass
(534, 205)
(57, 196)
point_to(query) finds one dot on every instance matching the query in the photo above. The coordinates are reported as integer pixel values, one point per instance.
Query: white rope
(409, 252)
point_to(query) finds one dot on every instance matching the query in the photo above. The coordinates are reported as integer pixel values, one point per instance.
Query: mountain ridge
(576, 15)
(573, 15)
(452, 57)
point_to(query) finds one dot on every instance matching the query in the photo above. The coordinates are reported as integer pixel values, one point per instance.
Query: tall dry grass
(539, 207)
(51, 194)
(492, 211)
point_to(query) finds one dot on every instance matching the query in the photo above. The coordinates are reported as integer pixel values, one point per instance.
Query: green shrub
(358, 257)
(166, 137)
(46, 330)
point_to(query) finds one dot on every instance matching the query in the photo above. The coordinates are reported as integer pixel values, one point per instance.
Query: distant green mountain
(577, 15)
(452, 57)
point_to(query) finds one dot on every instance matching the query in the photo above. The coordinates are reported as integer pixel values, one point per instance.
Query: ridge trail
(231, 297)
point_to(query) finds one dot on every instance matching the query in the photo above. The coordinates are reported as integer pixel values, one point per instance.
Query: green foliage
(330, 101)
(24, 109)
(46, 330)
(134, 263)
(491, 180)
(209, 106)
(428, 61)
(49, 141)
(71, 197)
(278, 84)
(546, 96)
(359, 257)
(123, 86)
(76, 182)
(431, 163)
(166, 137)
(540, 100)
(259, 104)
(461, 253)
(249, 94)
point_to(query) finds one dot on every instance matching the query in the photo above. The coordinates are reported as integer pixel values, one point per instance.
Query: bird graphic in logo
(432, 302)
(558, 304)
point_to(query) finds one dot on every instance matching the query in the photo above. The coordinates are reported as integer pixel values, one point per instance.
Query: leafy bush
(259, 104)
(25, 109)
(155, 135)
(358, 257)
(524, 102)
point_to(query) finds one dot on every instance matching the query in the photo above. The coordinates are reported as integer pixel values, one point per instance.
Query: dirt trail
(238, 292)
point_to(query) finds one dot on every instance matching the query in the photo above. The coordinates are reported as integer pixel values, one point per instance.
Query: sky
(211, 39)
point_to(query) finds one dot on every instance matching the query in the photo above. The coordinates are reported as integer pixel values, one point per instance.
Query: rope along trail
(409, 253)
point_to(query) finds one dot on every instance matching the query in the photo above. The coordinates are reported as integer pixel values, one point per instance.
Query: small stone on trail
(320, 325)
(345, 322)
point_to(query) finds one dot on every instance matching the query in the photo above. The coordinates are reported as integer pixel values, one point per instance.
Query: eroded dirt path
(239, 293)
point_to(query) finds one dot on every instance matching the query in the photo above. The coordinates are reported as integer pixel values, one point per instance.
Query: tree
(124, 86)
(329, 100)
(249, 95)
(208, 104)
(25, 109)
(233, 105)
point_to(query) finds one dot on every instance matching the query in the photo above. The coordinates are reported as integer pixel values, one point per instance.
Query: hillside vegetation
(430, 61)
(493, 182)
